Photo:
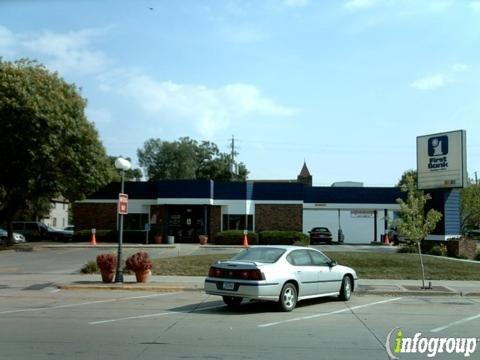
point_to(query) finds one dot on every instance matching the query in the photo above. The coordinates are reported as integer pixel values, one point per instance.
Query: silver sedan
(285, 274)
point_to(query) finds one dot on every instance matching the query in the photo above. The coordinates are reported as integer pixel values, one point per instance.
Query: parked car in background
(36, 231)
(69, 229)
(473, 234)
(285, 274)
(17, 238)
(320, 234)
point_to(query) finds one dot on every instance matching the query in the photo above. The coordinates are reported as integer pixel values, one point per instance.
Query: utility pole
(232, 156)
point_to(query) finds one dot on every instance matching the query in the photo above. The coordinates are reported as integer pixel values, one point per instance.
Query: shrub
(235, 237)
(139, 261)
(282, 237)
(89, 268)
(408, 249)
(438, 250)
(107, 262)
(477, 257)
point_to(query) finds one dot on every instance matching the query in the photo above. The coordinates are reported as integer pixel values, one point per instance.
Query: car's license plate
(228, 286)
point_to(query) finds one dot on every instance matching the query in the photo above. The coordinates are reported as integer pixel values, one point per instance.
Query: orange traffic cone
(385, 240)
(245, 240)
(93, 242)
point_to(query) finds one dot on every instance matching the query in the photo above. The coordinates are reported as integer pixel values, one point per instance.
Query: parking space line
(84, 304)
(132, 317)
(458, 322)
(327, 314)
(154, 315)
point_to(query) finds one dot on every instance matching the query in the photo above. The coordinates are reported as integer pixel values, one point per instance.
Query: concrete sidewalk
(195, 283)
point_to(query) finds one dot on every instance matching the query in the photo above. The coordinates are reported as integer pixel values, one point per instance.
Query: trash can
(170, 239)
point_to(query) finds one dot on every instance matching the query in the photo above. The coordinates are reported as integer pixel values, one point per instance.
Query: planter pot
(203, 239)
(143, 276)
(107, 276)
(157, 239)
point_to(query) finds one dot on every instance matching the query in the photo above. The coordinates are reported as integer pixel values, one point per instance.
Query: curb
(129, 287)
(107, 246)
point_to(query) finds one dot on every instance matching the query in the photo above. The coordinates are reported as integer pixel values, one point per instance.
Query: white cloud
(63, 52)
(7, 38)
(430, 82)
(460, 67)
(475, 5)
(439, 80)
(67, 52)
(353, 5)
(295, 3)
(440, 5)
(206, 109)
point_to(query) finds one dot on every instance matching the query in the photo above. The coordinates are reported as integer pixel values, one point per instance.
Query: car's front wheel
(346, 289)
(288, 297)
(232, 301)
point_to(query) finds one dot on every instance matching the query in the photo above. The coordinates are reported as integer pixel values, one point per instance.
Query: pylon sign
(122, 204)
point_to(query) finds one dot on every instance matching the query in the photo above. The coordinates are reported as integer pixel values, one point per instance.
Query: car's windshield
(263, 255)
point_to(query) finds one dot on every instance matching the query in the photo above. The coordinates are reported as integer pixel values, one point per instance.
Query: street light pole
(122, 165)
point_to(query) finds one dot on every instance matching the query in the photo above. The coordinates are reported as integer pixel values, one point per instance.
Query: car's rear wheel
(288, 297)
(232, 301)
(346, 289)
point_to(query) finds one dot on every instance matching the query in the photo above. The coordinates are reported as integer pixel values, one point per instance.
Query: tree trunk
(421, 264)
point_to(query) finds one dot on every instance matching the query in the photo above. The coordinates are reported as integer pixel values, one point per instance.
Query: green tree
(187, 159)
(470, 206)
(413, 223)
(406, 174)
(47, 145)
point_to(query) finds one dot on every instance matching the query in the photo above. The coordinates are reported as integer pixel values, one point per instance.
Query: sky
(346, 86)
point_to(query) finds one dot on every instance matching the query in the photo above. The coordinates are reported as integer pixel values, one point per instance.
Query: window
(135, 221)
(299, 258)
(237, 222)
(318, 259)
(262, 255)
(31, 226)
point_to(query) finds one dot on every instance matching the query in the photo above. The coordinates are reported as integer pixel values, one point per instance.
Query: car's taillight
(252, 275)
(215, 272)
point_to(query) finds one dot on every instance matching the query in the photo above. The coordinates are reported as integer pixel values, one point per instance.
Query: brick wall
(278, 217)
(99, 216)
(462, 247)
(215, 220)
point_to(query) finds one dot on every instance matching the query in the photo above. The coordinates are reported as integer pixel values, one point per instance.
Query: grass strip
(367, 265)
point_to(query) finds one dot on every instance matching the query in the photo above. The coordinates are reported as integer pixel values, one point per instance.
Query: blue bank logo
(438, 146)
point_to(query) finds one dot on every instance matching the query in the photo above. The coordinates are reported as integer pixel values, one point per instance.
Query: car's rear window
(262, 255)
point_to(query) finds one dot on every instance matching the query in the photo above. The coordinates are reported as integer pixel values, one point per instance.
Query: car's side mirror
(332, 263)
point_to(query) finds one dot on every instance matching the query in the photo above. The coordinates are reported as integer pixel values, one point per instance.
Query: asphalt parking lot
(48, 323)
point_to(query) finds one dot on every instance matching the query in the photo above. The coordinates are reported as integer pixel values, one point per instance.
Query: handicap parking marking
(309, 317)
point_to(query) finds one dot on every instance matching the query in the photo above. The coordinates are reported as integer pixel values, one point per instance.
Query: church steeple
(305, 177)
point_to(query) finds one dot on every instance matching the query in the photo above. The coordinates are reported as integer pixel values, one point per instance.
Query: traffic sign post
(122, 204)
